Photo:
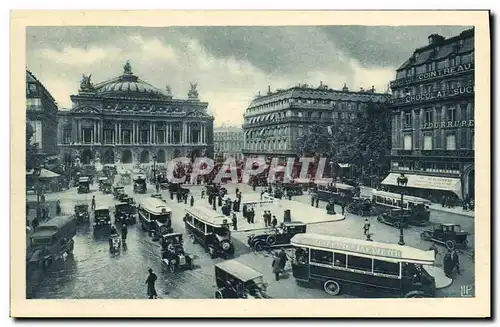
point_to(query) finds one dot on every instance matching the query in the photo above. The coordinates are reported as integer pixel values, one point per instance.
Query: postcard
(308, 164)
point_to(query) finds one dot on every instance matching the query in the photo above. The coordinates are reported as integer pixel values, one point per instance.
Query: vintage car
(393, 218)
(125, 213)
(117, 190)
(101, 181)
(235, 280)
(155, 217)
(173, 255)
(51, 240)
(140, 184)
(277, 237)
(84, 185)
(451, 235)
(361, 207)
(106, 187)
(102, 221)
(278, 193)
(82, 213)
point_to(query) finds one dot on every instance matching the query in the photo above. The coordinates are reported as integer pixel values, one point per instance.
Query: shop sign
(432, 95)
(430, 75)
(445, 124)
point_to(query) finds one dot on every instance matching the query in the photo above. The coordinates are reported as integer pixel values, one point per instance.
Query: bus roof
(374, 249)
(209, 216)
(154, 205)
(238, 270)
(398, 196)
(83, 179)
(343, 186)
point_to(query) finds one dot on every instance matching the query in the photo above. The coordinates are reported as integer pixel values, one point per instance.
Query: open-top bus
(211, 229)
(336, 192)
(417, 209)
(339, 263)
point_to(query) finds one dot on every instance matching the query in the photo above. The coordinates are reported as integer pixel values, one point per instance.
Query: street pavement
(92, 273)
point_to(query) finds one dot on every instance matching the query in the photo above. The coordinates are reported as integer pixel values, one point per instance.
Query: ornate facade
(41, 113)
(272, 122)
(126, 120)
(228, 141)
(433, 119)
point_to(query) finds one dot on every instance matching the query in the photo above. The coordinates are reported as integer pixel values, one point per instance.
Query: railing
(448, 153)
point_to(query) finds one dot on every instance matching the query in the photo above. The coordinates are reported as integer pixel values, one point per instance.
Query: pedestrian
(274, 222)
(343, 208)
(261, 194)
(214, 205)
(235, 222)
(203, 194)
(150, 281)
(244, 211)
(185, 199)
(219, 200)
(447, 264)
(455, 260)
(312, 201)
(264, 217)
(35, 223)
(58, 207)
(254, 186)
(366, 227)
(276, 266)
(249, 215)
(283, 259)
(237, 191)
(191, 201)
(443, 201)
(124, 233)
(317, 202)
(92, 205)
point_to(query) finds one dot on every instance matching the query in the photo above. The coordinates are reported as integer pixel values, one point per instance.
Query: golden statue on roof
(127, 68)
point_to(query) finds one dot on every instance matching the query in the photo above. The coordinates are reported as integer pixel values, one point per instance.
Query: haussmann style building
(41, 113)
(127, 120)
(228, 142)
(274, 121)
(433, 120)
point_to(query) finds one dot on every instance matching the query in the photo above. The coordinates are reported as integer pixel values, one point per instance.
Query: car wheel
(379, 219)
(450, 244)
(425, 236)
(218, 295)
(331, 287)
(258, 246)
(414, 294)
(271, 240)
(397, 225)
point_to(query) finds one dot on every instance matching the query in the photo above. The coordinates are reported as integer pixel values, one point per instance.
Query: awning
(429, 182)
(45, 173)
(344, 165)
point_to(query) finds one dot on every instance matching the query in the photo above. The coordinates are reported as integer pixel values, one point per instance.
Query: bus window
(379, 199)
(398, 203)
(411, 204)
(359, 263)
(210, 229)
(339, 260)
(324, 257)
(385, 267)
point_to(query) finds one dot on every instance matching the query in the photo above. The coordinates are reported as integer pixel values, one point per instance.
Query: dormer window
(460, 43)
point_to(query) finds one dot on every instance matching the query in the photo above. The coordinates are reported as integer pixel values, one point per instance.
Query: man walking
(124, 233)
(343, 208)
(150, 281)
(235, 222)
(366, 227)
(276, 266)
(283, 259)
(274, 222)
(92, 204)
(191, 202)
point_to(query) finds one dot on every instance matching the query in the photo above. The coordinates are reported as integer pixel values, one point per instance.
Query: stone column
(115, 134)
(73, 131)
(150, 132)
(154, 132)
(80, 138)
(119, 132)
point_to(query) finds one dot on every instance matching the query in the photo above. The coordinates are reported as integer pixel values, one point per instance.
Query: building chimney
(268, 89)
(435, 39)
(345, 88)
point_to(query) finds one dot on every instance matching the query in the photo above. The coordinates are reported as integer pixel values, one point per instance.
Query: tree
(315, 142)
(29, 147)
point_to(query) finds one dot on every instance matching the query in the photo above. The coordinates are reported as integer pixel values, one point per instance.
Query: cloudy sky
(230, 64)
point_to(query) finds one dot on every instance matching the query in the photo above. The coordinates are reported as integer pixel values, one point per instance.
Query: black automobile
(125, 213)
(102, 221)
(123, 197)
(84, 185)
(451, 235)
(172, 253)
(117, 190)
(140, 184)
(235, 280)
(361, 207)
(394, 218)
(294, 189)
(277, 237)
(106, 187)
(82, 213)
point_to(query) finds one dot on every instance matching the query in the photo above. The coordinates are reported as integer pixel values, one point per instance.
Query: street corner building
(433, 120)
(128, 121)
(274, 121)
(228, 142)
(41, 114)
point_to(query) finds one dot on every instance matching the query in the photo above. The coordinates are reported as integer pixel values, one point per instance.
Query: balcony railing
(434, 153)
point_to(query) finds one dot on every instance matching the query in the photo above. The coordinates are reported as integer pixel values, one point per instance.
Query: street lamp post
(154, 169)
(331, 168)
(402, 181)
